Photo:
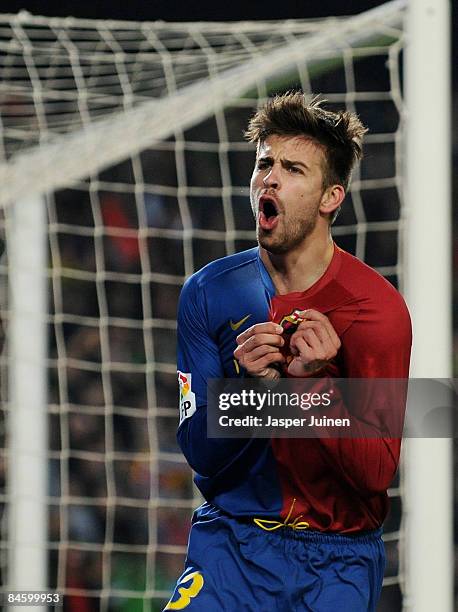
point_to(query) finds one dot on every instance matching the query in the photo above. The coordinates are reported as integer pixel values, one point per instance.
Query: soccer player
(289, 524)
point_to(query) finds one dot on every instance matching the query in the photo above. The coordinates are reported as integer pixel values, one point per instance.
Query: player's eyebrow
(287, 163)
(265, 158)
(292, 162)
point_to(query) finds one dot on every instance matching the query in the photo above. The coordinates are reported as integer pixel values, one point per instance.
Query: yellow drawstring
(273, 525)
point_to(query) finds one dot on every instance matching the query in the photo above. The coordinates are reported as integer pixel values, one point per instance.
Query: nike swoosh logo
(235, 326)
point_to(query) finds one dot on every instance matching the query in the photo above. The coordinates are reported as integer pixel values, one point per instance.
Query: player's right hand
(258, 348)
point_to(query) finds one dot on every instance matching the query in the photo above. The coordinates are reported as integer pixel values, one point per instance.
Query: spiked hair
(294, 114)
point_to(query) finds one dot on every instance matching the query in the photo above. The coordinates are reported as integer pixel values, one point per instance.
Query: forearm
(368, 465)
(207, 456)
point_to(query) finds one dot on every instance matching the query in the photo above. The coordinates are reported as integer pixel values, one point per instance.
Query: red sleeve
(376, 345)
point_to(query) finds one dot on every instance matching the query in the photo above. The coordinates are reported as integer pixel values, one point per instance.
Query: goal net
(128, 138)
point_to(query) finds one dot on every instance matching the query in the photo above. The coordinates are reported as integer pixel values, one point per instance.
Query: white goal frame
(428, 485)
(429, 482)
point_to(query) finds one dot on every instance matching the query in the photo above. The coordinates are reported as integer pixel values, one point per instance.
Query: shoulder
(378, 342)
(383, 312)
(221, 290)
(222, 280)
(366, 284)
(219, 271)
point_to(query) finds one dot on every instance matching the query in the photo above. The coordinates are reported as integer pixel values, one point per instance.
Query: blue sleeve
(198, 360)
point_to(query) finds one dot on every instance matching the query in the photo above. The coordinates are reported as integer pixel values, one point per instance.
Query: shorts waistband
(289, 530)
(325, 537)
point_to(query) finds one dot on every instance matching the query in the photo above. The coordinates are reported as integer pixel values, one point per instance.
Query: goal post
(429, 522)
(122, 144)
(27, 425)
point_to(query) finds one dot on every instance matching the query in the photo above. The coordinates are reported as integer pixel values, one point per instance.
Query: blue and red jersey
(334, 484)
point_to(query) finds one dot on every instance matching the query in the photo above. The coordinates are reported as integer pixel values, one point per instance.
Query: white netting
(134, 132)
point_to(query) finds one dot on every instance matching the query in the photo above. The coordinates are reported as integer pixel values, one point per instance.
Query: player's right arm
(198, 360)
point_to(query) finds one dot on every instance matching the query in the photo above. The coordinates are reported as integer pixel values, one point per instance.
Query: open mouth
(269, 209)
(268, 213)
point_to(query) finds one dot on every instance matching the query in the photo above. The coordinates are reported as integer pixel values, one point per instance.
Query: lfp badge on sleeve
(187, 397)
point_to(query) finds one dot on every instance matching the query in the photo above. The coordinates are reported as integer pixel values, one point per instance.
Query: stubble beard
(283, 239)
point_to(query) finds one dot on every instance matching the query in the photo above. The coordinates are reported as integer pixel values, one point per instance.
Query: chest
(233, 318)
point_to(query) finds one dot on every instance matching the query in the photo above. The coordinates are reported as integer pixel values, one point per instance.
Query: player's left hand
(313, 345)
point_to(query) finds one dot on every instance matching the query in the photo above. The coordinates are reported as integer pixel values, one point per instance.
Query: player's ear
(332, 198)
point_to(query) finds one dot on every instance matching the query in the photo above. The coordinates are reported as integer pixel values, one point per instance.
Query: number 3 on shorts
(187, 593)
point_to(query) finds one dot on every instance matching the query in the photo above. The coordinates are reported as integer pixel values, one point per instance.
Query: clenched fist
(313, 345)
(258, 348)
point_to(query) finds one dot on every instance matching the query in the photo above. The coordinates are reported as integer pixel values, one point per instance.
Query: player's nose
(272, 179)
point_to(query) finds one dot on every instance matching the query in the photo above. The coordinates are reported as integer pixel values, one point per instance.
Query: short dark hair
(295, 114)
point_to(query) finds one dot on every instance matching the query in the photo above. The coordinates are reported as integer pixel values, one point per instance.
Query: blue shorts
(235, 566)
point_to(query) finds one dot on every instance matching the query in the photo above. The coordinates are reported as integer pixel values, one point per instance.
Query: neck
(300, 268)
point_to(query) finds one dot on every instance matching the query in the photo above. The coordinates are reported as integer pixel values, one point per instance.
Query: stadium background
(173, 527)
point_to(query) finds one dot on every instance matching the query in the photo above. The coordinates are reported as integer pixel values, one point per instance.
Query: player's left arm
(376, 345)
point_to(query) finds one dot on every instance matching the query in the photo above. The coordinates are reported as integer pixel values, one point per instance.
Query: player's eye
(294, 170)
(262, 164)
